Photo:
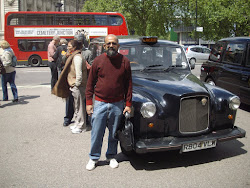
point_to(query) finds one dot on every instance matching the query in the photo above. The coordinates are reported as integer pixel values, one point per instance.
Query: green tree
(144, 17)
(102, 6)
(148, 17)
(219, 18)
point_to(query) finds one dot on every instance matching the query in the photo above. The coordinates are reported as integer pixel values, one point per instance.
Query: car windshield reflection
(154, 57)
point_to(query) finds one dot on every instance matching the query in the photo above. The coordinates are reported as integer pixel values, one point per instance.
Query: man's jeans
(9, 77)
(54, 73)
(104, 114)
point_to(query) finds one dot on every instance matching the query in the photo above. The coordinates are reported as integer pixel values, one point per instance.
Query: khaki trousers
(78, 94)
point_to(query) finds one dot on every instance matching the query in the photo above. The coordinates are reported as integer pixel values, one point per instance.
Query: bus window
(49, 19)
(82, 19)
(64, 19)
(99, 20)
(35, 19)
(33, 45)
(16, 19)
(22, 45)
(115, 20)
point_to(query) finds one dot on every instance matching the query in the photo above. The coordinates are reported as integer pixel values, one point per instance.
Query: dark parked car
(172, 108)
(229, 66)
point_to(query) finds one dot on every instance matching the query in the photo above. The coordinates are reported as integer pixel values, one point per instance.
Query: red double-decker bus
(29, 33)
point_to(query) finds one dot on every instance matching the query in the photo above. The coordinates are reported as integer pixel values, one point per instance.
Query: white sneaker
(91, 164)
(76, 130)
(72, 127)
(113, 163)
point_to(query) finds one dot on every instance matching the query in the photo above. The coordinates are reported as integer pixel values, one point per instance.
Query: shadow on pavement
(44, 84)
(21, 100)
(173, 159)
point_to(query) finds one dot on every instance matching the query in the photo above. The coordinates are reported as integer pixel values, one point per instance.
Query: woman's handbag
(2, 69)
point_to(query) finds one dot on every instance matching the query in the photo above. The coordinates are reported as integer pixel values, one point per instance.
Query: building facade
(37, 5)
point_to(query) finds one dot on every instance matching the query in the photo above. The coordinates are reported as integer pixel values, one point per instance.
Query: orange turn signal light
(150, 125)
(230, 116)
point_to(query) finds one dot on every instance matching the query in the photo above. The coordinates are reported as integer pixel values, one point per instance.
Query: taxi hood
(173, 83)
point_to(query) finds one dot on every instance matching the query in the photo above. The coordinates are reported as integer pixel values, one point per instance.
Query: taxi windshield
(145, 57)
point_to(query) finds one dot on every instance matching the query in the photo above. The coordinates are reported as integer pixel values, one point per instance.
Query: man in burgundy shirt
(111, 82)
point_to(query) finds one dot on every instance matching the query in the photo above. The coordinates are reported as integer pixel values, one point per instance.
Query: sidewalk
(36, 150)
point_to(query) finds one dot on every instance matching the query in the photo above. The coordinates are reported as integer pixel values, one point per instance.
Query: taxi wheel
(125, 152)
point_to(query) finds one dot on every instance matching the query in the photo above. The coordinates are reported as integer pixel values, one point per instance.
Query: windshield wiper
(156, 65)
(149, 67)
(171, 67)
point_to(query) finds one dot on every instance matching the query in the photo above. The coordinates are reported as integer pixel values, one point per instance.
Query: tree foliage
(219, 18)
(144, 17)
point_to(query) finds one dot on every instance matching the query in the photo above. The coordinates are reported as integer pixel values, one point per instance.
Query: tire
(192, 60)
(210, 81)
(125, 152)
(35, 61)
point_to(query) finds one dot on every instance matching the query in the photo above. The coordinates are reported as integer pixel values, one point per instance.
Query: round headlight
(148, 109)
(234, 103)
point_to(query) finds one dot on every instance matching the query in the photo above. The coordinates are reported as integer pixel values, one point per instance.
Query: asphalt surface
(37, 151)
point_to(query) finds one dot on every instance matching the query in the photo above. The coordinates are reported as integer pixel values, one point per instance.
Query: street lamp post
(195, 33)
(59, 5)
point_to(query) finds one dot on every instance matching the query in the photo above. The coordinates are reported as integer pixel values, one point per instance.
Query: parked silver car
(197, 54)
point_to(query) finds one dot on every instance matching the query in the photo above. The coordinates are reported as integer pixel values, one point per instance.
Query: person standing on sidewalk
(10, 74)
(51, 62)
(60, 52)
(60, 59)
(111, 82)
(2, 70)
(73, 79)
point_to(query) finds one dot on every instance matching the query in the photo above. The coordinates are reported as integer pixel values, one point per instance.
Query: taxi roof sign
(149, 40)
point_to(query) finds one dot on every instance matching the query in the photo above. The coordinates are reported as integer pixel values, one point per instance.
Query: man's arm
(128, 84)
(91, 84)
(56, 54)
(90, 89)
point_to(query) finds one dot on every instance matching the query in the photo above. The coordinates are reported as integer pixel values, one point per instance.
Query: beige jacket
(7, 60)
(77, 75)
(68, 77)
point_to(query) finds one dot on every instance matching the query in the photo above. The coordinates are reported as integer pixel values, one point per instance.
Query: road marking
(30, 86)
(35, 86)
(38, 71)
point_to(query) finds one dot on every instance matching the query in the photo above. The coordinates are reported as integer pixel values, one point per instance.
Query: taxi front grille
(194, 114)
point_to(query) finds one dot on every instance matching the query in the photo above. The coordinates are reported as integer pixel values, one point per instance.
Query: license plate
(199, 145)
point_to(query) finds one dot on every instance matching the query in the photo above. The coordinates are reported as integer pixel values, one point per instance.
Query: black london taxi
(172, 108)
(228, 66)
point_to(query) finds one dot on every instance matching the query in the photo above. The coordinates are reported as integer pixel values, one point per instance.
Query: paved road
(37, 151)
